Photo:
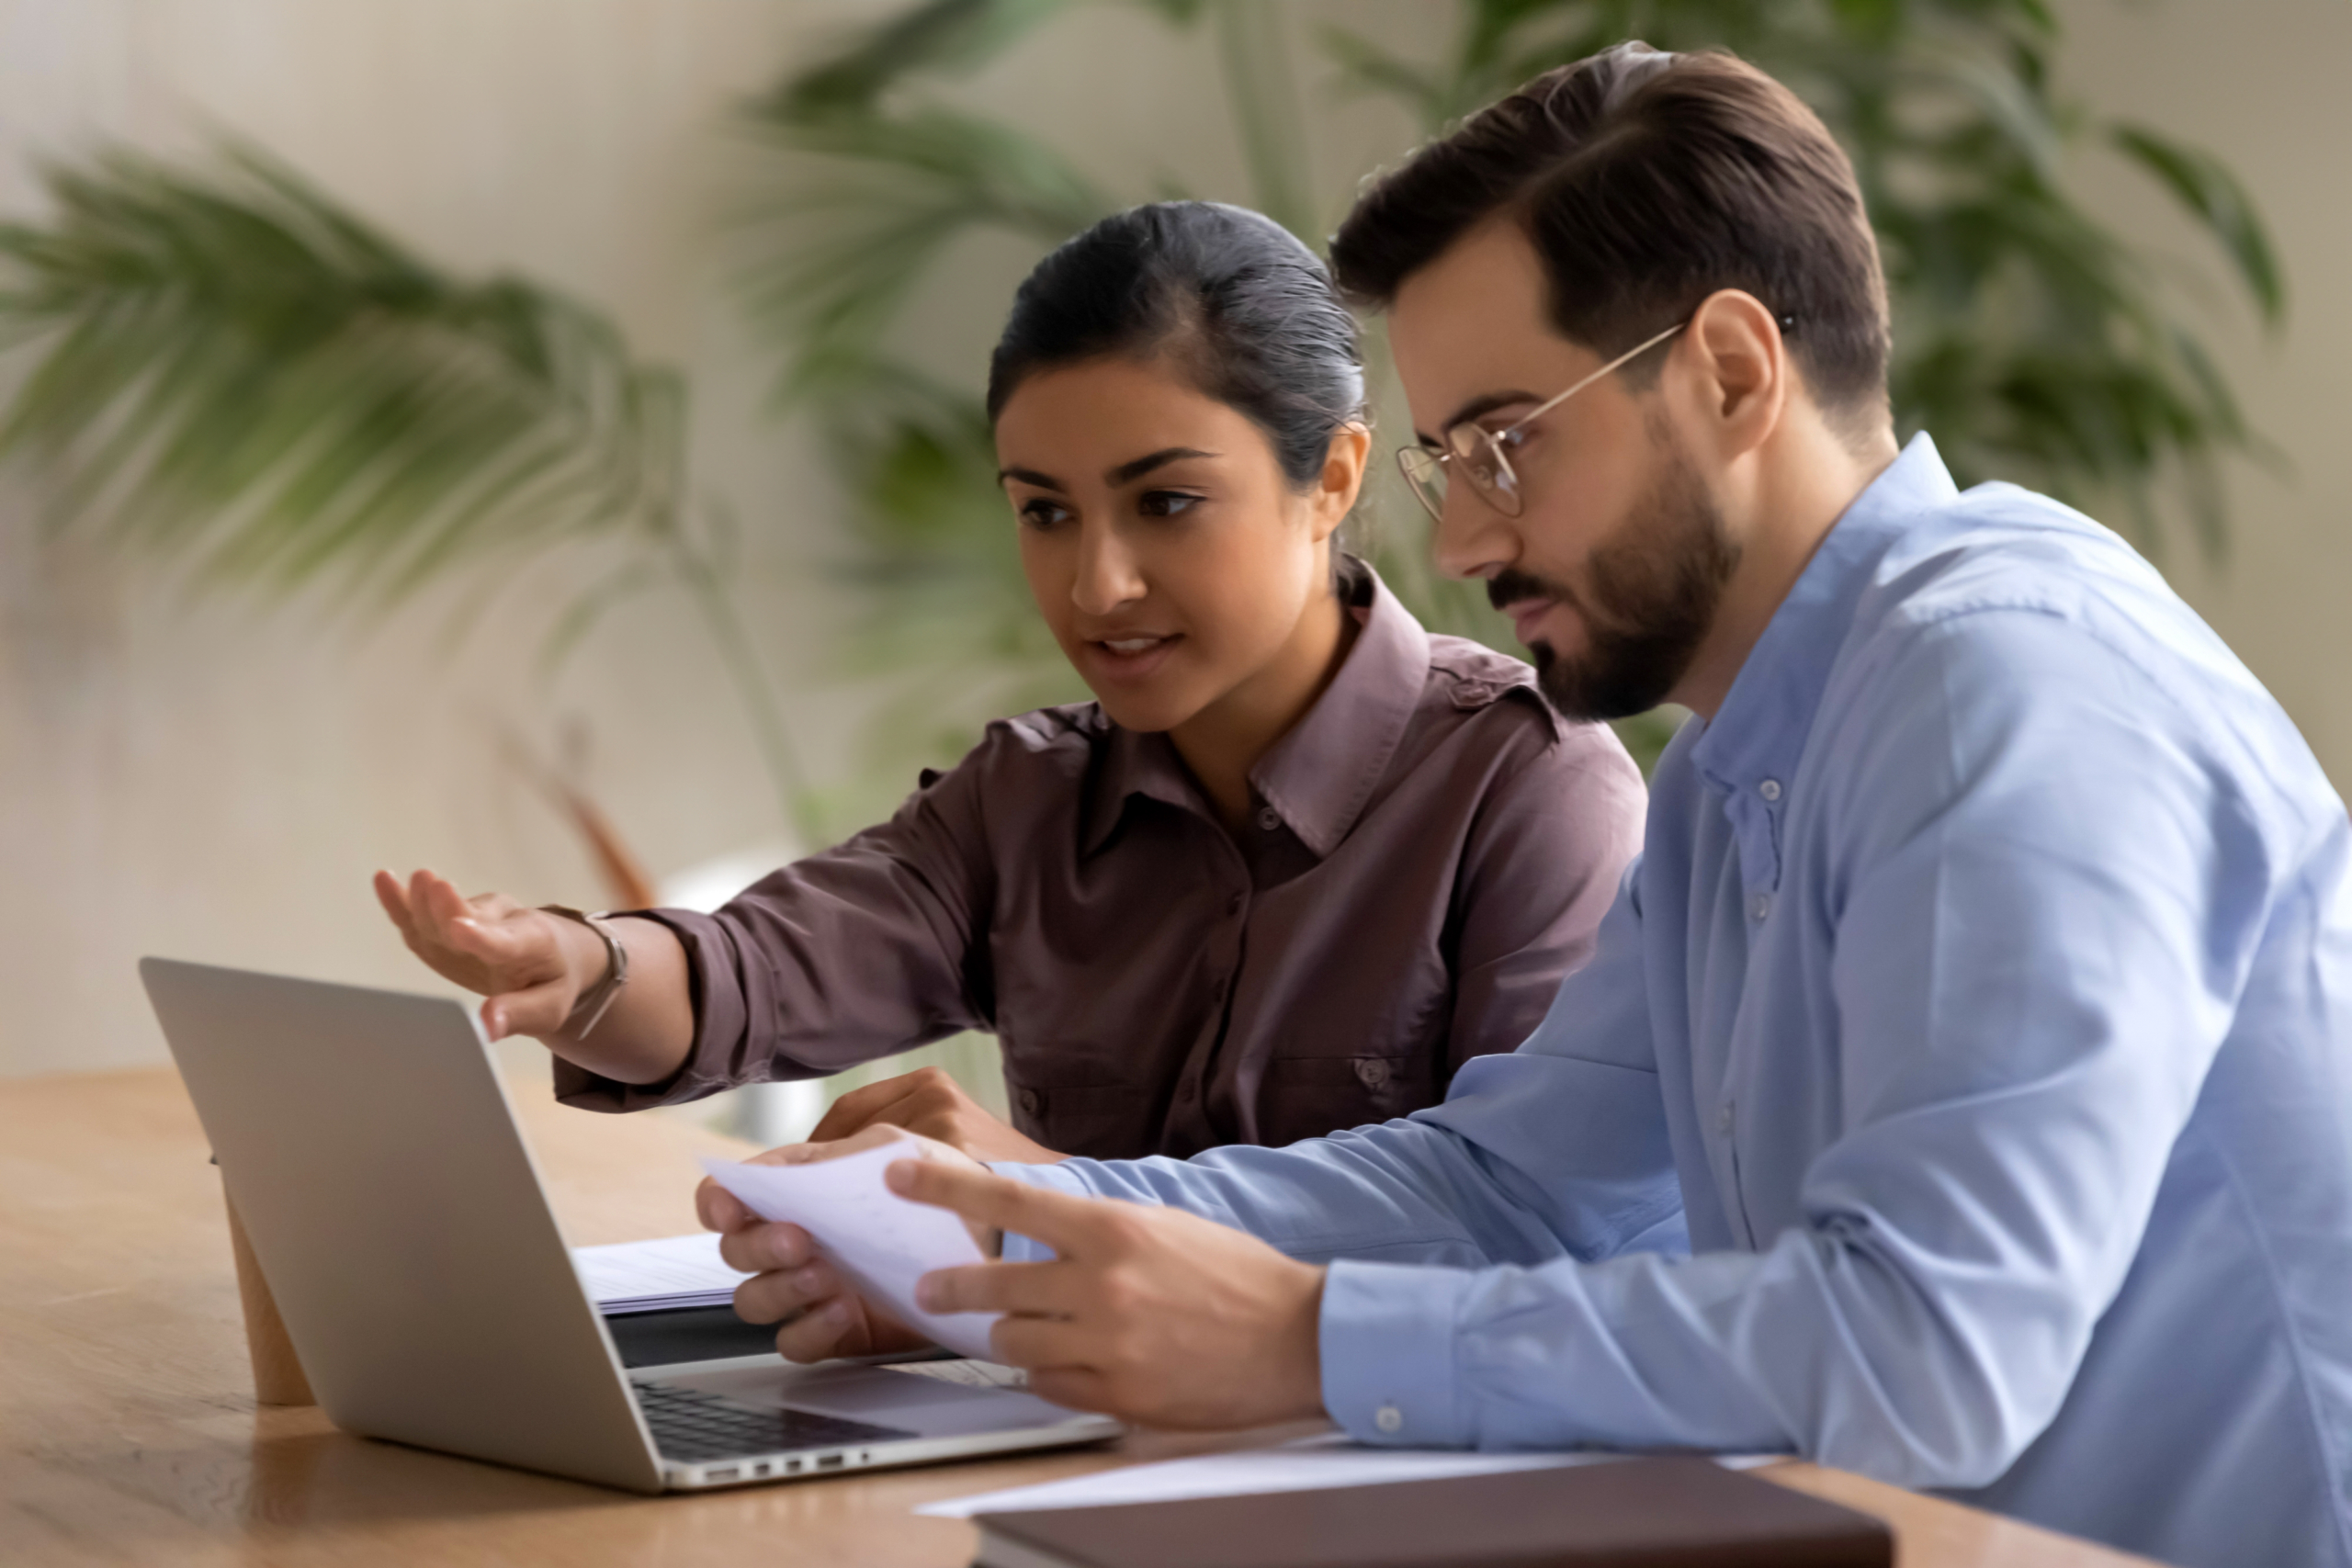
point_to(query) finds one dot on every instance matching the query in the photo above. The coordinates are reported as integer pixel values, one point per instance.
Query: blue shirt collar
(1761, 730)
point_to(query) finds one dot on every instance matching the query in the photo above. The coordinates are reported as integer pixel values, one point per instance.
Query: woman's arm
(875, 946)
(533, 967)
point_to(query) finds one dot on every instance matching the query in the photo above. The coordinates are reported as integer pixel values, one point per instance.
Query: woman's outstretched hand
(531, 966)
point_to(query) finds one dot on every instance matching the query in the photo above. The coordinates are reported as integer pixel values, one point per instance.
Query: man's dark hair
(1645, 182)
(1245, 310)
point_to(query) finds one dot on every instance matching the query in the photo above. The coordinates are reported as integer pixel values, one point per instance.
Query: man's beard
(1652, 596)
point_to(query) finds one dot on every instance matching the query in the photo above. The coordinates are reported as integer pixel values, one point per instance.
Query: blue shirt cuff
(1387, 1338)
(1018, 1249)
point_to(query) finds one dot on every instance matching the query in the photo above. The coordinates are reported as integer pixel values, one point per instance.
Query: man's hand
(533, 966)
(1154, 1316)
(817, 1313)
(930, 1103)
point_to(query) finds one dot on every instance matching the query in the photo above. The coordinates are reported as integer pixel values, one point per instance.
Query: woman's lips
(1133, 658)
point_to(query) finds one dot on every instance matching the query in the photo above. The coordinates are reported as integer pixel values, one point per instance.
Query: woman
(1296, 863)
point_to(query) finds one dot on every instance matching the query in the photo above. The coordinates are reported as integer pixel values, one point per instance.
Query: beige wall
(2261, 83)
(191, 776)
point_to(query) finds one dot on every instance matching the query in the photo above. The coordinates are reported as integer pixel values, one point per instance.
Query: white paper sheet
(657, 1276)
(880, 1241)
(1329, 1460)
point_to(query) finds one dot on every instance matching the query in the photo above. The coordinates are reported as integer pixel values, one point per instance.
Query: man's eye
(1043, 514)
(1167, 502)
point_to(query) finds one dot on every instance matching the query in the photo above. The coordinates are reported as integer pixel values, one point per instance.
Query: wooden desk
(128, 1433)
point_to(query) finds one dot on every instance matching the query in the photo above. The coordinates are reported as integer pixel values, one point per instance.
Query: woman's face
(1165, 548)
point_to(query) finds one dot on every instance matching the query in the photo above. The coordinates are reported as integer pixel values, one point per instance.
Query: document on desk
(1329, 1458)
(880, 1242)
(663, 1275)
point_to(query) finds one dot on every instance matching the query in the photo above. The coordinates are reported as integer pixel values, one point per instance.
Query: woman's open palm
(513, 955)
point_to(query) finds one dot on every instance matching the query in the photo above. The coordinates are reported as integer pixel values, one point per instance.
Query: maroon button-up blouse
(1429, 851)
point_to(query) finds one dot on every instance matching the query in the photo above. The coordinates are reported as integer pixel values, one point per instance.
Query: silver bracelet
(598, 1000)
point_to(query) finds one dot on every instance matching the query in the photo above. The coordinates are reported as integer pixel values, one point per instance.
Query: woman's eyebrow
(1485, 402)
(1127, 473)
(1030, 477)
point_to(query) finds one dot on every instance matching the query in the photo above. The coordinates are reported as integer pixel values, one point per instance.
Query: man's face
(1614, 571)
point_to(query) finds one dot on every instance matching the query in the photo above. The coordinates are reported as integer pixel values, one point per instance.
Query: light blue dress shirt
(1982, 1006)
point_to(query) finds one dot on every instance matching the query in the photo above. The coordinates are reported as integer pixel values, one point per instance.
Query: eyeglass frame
(1495, 439)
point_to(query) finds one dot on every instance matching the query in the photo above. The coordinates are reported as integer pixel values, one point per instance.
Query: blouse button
(1371, 1071)
(1389, 1419)
(1770, 789)
(1030, 1101)
(1269, 819)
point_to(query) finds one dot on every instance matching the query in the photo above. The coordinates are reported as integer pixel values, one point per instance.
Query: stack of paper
(656, 1276)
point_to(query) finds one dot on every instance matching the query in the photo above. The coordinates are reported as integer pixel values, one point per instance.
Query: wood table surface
(128, 1433)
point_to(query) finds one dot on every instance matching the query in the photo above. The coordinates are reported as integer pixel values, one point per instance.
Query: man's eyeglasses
(1482, 455)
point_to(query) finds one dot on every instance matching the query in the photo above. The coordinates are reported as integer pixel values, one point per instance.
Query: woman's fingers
(536, 1010)
(857, 1110)
(394, 899)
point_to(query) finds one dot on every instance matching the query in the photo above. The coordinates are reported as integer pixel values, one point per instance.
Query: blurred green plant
(2029, 337)
(2032, 341)
(230, 371)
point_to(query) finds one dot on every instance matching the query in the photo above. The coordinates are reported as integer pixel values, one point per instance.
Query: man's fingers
(834, 1329)
(758, 1248)
(772, 1297)
(1035, 1289)
(1071, 1227)
(719, 1210)
(1072, 1388)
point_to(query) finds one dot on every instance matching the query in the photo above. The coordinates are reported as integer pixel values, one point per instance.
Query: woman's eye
(1042, 513)
(1168, 503)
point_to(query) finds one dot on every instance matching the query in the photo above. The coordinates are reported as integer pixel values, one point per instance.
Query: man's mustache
(1511, 585)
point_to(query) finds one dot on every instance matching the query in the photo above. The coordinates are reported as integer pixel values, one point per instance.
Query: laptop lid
(368, 1145)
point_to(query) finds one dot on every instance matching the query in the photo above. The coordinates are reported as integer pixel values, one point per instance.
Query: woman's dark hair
(1245, 311)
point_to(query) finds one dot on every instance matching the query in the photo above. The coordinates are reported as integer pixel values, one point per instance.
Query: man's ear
(1336, 488)
(1736, 372)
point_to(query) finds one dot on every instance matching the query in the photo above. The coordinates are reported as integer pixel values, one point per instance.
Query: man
(1980, 1003)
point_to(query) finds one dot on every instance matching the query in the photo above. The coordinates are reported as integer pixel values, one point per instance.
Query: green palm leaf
(231, 368)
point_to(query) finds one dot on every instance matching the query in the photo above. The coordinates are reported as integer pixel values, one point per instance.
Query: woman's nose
(1107, 575)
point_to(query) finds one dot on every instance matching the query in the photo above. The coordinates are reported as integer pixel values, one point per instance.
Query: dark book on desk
(1648, 1513)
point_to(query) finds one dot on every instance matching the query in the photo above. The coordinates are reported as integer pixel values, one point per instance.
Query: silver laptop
(370, 1148)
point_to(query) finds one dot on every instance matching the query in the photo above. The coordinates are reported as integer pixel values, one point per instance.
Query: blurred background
(541, 441)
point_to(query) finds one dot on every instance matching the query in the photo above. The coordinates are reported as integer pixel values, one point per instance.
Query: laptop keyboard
(690, 1427)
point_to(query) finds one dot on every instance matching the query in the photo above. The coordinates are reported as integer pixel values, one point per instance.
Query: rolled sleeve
(870, 948)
